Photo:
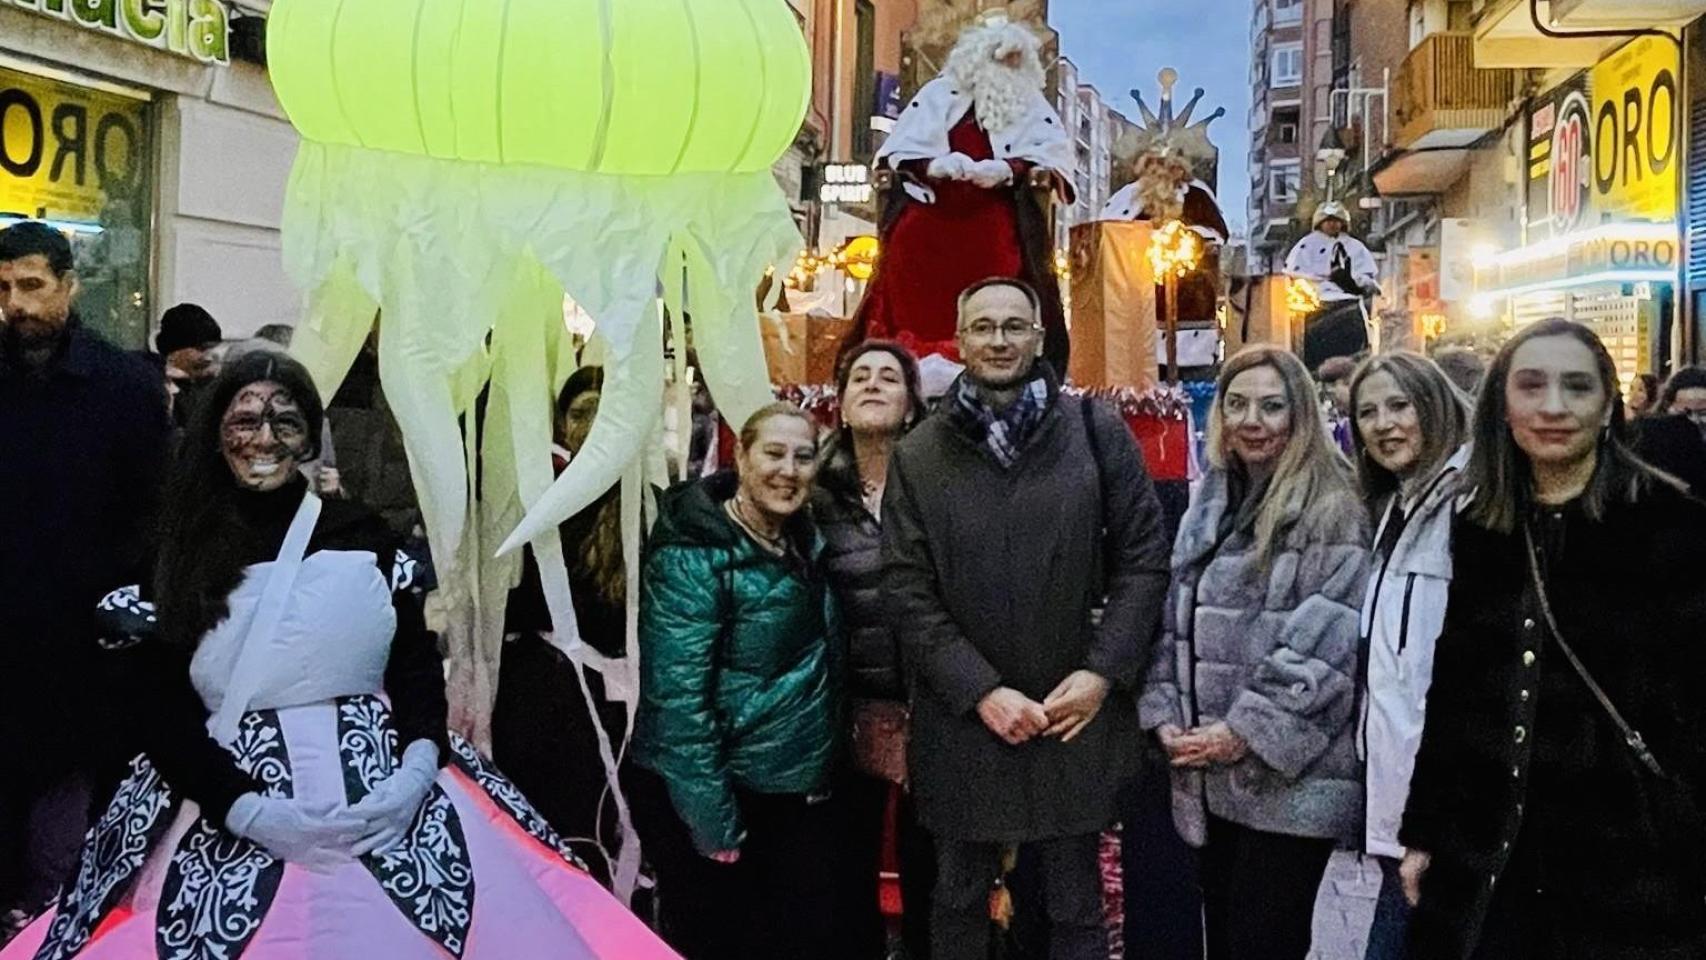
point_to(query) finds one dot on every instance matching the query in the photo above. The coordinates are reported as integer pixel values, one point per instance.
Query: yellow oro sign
(1636, 143)
(192, 28)
(67, 151)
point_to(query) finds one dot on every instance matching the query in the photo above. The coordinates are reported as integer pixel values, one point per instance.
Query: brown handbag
(880, 732)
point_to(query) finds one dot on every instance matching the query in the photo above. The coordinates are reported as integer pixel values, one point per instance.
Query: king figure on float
(963, 207)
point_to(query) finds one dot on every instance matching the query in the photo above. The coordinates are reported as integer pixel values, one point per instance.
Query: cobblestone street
(1345, 908)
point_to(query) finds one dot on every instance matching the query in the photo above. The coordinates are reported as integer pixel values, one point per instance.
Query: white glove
(990, 174)
(389, 810)
(953, 166)
(316, 838)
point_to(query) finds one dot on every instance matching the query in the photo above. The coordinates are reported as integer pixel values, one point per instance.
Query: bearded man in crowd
(963, 208)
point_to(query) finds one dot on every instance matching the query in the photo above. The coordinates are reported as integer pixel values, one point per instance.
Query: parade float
(1146, 290)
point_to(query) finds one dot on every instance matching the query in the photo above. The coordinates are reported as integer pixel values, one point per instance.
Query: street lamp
(1331, 154)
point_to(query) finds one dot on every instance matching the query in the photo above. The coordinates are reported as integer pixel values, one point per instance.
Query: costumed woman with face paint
(298, 795)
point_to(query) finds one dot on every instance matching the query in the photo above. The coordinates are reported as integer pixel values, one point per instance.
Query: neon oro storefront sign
(1615, 253)
(198, 29)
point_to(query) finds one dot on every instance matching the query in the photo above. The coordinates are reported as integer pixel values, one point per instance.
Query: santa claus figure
(963, 207)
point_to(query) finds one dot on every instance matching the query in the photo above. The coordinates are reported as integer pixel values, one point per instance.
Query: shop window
(81, 159)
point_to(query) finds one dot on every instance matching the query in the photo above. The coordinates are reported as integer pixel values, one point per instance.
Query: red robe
(933, 252)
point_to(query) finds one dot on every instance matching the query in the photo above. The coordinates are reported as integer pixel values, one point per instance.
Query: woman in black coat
(1535, 828)
(881, 398)
(545, 728)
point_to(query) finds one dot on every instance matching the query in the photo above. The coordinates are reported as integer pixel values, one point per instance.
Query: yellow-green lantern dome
(627, 87)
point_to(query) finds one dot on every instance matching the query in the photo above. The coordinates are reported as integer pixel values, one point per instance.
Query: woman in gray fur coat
(1252, 690)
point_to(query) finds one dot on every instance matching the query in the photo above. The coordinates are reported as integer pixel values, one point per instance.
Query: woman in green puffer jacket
(740, 705)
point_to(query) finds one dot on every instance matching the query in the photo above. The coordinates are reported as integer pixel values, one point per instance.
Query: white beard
(1002, 94)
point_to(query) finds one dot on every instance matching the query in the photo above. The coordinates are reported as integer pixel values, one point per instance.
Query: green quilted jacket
(740, 664)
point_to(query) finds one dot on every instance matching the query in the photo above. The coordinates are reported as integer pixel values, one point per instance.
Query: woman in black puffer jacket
(880, 400)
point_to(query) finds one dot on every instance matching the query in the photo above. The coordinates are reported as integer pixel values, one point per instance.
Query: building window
(1288, 65)
(1288, 11)
(1288, 123)
(864, 79)
(1285, 180)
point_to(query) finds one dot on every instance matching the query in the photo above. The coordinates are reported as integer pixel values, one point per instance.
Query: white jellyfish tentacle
(632, 403)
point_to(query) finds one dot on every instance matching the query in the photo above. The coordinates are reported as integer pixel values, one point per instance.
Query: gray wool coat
(989, 576)
(1274, 654)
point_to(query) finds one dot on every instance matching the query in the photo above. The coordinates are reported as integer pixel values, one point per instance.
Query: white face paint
(264, 436)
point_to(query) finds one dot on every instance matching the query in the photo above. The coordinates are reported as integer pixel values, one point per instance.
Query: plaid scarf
(1004, 432)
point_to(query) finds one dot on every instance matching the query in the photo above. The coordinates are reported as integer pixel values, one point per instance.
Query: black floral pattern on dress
(113, 851)
(428, 875)
(123, 619)
(219, 886)
(509, 798)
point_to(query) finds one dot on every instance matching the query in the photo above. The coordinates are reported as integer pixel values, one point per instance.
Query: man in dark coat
(83, 435)
(1011, 516)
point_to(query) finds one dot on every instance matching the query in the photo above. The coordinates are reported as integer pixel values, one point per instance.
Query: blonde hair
(1310, 467)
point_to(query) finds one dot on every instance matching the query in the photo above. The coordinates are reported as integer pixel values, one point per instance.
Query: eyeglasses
(289, 429)
(1011, 329)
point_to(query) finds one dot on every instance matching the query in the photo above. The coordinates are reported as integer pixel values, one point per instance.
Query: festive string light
(1174, 250)
(857, 258)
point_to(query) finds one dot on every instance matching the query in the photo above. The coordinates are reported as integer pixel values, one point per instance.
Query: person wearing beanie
(184, 344)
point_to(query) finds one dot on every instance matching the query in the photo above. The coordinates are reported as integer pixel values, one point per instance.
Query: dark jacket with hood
(991, 577)
(739, 663)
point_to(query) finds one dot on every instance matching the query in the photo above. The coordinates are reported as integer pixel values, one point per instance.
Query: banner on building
(1603, 147)
(1560, 154)
(1636, 146)
(67, 152)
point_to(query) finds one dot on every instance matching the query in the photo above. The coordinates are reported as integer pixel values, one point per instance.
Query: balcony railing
(1441, 99)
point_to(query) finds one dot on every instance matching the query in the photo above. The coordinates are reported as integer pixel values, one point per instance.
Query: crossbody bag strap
(1631, 736)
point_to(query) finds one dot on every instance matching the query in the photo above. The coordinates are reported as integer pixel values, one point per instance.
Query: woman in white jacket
(1411, 425)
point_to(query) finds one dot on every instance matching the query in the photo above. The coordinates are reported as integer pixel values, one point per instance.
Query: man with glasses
(1025, 566)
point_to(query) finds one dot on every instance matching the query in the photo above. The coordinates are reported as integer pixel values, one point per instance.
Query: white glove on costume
(953, 166)
(389, 810)
(318, 839)
(990, 174)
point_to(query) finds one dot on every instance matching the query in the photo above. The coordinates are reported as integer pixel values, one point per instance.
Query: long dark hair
(197, 570)
(1499, 472)
(1440, 407)
(840, 474)
(597, 557)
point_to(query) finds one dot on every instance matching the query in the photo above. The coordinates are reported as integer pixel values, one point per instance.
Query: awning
(1421, 172)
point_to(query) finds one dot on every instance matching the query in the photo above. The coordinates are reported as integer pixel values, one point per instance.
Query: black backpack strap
(1087, 409)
